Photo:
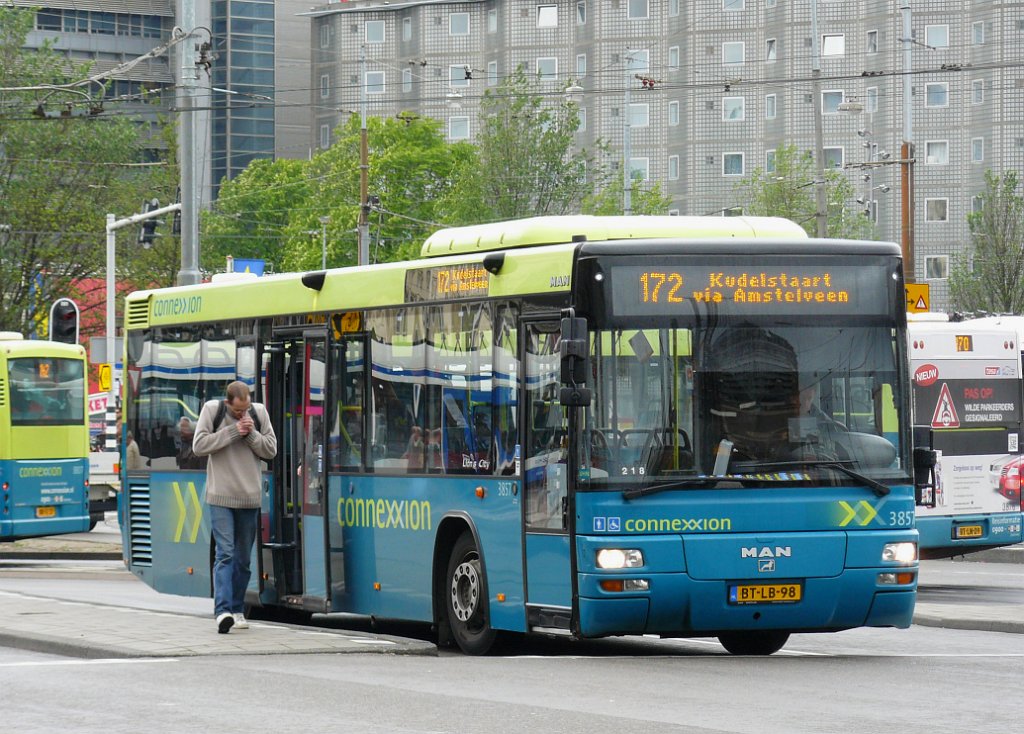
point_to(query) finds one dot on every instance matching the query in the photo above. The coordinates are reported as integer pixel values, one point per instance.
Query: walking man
(237, 437)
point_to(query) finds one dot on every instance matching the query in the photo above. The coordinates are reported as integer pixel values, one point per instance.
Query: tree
(788, 191)
(66, 162)
(646, 198)
(989, 278)
(527, 163)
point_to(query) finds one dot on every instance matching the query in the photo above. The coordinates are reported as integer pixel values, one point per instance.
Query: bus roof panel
(565, 229)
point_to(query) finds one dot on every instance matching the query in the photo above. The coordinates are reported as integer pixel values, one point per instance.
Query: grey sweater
(233, 473)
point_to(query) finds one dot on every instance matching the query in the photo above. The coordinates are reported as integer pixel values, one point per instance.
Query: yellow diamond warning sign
(945, 414)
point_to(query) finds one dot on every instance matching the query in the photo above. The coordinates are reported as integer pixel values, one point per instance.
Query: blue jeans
(234, 532)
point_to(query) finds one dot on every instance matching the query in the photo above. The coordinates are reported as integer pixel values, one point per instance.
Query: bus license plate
(764, 593)
(969, 531)
(46, 512)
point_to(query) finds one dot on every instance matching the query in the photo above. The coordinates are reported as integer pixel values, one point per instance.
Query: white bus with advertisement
(967, 408)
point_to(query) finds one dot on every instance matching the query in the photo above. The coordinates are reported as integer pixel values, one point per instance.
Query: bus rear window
(47, 391)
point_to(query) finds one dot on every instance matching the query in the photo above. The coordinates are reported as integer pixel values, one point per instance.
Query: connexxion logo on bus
(177, 306)
(40, 471)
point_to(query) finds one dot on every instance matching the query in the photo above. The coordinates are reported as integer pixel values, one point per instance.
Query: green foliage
(646, 198)
(788, 192)
(66, 163)
(989, 277)
(526, 161)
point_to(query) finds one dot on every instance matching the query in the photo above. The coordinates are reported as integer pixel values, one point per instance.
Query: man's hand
(245, 425)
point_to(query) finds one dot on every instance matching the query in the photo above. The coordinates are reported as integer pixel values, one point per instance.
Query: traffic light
(64, 321)
(147, 227)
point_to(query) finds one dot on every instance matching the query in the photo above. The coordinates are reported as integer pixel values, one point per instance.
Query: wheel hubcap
(465, 590)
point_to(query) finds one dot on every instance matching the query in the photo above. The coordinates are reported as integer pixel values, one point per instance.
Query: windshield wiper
(877, 487)
(705, 480)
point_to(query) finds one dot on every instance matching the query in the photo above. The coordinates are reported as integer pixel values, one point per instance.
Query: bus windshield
(47, 391)
(765, 400)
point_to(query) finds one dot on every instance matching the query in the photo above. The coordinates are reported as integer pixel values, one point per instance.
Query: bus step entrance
(281, 566)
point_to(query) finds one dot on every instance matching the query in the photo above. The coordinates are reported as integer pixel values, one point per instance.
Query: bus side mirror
(924, 476)
(573, 349)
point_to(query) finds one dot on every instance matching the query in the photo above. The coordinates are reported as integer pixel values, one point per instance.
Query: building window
(374, 82)
(833, 44)
(978, 32)
(638, 60)
(831, 100)
(673, 212)
(637, 10)
(936, 152)
(733, 109)
(458, 128)
(769, 106)
(732, 4)
(673, 58)
(406, 80)
(325, 36)
(325, 136)
(769, 161)
(936, 210)
(936, 94)
(833, 157)
(673, 8)
(977, 91)
(547, 69)
(406, 29)
(937, 36)
(375, 31)
(458, 75)
(492, 21)
(639, 115)
(673, 113)
(492, 73)
(936, 267)
(581, 65)
(581, 113)
(871, 100)
(733, 52)
(977, 204)
(977, 150)
(770, 50)
(732, 164)
(458, 24)
(673, 168)
(325, 86)
(872, 45)
(547, 16)
(769, 3)
(639, 169)
(581, 13)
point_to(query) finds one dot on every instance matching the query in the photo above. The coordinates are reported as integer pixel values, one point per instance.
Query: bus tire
(466, 598)
(753, 643)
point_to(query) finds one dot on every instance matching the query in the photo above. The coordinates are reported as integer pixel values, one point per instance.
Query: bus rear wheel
(753, 643)
(466, 598)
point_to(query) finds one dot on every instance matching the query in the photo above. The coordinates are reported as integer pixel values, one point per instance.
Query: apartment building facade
(715, 87)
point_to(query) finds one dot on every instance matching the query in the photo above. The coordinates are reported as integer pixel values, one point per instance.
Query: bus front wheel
(466, 598)
(753, 643)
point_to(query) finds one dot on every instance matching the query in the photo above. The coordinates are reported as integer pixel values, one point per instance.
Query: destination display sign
(447, 282)
(749, 289)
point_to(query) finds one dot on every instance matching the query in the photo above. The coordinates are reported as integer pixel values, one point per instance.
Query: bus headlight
(900, 552)
(619, 558)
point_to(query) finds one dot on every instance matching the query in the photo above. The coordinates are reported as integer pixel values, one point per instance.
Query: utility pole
(191, 171)
(821, 202)
(907, 154)
(363, 228)
(627, 143)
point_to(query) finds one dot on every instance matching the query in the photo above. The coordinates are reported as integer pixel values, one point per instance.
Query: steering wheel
(600, 454)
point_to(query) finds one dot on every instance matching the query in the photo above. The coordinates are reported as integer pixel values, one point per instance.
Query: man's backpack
(223, 408)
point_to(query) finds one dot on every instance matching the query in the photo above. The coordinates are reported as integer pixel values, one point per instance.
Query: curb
(976, 625)
(59, 556)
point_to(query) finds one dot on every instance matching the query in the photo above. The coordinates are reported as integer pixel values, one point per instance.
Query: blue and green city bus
(44, 438)
(583, 425)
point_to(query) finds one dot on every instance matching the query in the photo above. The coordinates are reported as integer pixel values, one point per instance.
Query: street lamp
(323, 231)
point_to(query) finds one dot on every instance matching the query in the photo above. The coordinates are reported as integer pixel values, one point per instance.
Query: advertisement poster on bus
(972, 407)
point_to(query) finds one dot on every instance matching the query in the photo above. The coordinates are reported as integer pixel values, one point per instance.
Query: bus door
(294, 537)
(545, 479)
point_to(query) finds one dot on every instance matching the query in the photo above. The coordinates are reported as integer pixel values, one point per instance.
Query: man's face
(239, 406)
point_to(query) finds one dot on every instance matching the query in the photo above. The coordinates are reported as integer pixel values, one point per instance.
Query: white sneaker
(241, 623)
(224, 622)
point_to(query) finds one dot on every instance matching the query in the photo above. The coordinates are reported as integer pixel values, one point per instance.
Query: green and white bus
(578, 425)
(44, 438)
